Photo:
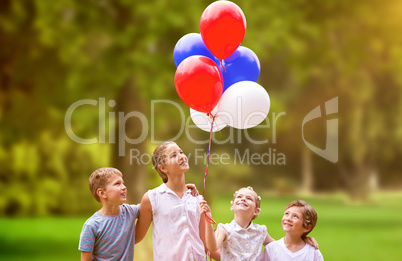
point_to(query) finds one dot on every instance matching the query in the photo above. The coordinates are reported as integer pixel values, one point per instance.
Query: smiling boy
(298, 220)
(109, 234)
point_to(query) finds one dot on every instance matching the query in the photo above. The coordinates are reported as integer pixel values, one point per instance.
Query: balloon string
(210, 221)
(209, 149)
(220, 61)
(208, 218)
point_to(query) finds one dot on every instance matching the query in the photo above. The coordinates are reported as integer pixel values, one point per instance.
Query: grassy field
(344, 231)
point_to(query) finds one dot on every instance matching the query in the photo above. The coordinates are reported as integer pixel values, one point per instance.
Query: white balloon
(244, 105)
(204, 121)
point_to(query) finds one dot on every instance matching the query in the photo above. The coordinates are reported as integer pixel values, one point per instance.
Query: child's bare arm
(86, 256)
(268, 239)
(220, 235)
(144, 219)
(213, 240)
(210, 240)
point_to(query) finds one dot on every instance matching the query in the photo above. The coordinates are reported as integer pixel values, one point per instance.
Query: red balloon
(199, 83)
(222, 27)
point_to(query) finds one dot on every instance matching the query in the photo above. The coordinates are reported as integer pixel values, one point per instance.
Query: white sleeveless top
(175, 228)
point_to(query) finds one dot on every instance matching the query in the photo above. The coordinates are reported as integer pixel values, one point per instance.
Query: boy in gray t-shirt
(109, 234)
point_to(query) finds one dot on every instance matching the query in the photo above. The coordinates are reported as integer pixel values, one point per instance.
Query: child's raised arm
(213, 241)
(144, 219)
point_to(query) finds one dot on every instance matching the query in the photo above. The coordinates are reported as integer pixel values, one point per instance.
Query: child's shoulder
(94, 220)
(161, 188)
(130, 209)
(229, 225)
(312, 249)
(312, 253)
(277, 243)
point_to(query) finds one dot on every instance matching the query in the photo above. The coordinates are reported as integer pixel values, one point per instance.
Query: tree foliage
(55, 53)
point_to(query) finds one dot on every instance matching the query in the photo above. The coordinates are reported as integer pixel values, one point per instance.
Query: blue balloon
(242, 65)
(189, 45)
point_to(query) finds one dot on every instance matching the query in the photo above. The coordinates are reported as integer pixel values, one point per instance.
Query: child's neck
(243, 221)
(178, 185)
(294, 243)
(109, 210)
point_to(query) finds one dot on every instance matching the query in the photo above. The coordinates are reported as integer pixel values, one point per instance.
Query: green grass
(344, 231)
(40, 239)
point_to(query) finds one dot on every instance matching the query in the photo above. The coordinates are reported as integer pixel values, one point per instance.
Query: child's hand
(194, 191)
(312, 241)
(204, 208)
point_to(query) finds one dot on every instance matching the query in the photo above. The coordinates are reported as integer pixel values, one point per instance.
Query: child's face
(292, 221)
(115, 190)
(175, 160)
(245, 199)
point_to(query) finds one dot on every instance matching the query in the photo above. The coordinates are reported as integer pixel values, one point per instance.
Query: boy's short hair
(99, 179)
(309, 214)
(158, 158)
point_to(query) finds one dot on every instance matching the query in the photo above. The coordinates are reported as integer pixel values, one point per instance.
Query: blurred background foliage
(118, 54)
(55, 53)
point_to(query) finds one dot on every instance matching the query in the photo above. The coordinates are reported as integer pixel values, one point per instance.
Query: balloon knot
(211, 116)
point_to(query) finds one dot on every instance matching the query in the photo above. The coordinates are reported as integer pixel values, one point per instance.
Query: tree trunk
(307, 171)
(357, 180)
(126, 131)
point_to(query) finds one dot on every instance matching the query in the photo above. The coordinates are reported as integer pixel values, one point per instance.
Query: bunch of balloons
(215, 76)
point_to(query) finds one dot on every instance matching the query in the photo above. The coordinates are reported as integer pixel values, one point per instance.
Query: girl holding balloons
(178, 231)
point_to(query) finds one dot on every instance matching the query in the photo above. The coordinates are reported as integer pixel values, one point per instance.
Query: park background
(55, 53)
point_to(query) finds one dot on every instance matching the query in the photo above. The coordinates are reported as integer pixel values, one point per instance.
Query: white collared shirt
(175, 228)
(278, 251)
(242, 244)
